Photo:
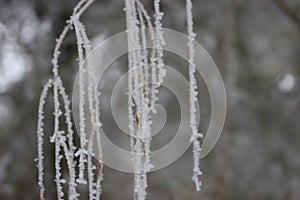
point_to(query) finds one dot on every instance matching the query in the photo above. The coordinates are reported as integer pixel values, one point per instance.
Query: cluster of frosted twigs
(63, 139)
(144, 67)
(146, 71)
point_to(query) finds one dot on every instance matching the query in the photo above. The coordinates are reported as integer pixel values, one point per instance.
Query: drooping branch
(63, 140)
(143, 68)
(193, 97)
(40, 137)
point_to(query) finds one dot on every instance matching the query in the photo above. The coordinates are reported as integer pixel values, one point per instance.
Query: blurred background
(256, 46)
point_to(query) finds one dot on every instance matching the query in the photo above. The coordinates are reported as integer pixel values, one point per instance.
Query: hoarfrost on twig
(40, 137)
(63, 140)
(145, 66)
(195, 136)
(139, 93)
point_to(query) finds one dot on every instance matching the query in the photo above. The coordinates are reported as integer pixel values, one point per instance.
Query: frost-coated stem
(157, 63)
(133, 102)
(94, 185)
(193, 98)
(145, 117)
(138, 95)
(55, 139)
(82, 152)
(69, 151)
(159, 41)
(40, 137)
(130, 79)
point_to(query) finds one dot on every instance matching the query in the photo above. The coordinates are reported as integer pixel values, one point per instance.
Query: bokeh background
(256, 45)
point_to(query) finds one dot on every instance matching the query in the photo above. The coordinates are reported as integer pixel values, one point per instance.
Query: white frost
(193, 98)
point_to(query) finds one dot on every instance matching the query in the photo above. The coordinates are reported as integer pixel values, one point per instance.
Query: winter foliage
(146, 72)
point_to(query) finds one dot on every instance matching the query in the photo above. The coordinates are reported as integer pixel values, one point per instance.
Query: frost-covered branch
(193, 98)
(144, 67)
(63, 140)
(40, 137)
